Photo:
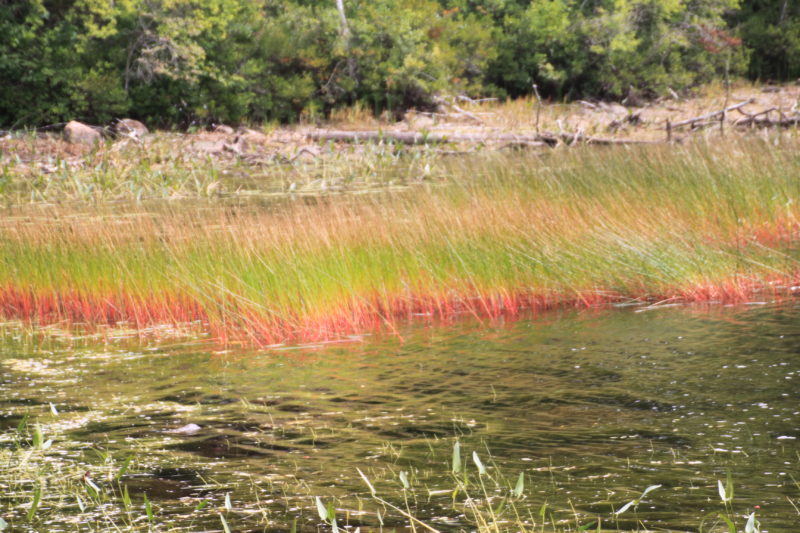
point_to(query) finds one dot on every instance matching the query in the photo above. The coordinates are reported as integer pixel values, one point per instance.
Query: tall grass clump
(501, 234)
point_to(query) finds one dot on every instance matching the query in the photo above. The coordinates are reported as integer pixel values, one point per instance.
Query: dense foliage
(177, 62)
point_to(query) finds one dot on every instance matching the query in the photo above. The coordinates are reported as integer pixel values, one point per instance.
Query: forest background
(178, 63)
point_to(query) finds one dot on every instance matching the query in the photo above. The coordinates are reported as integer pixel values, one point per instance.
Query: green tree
(771, 29)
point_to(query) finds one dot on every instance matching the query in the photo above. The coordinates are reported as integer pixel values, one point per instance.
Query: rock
(78, 133)
(248, 138)
(614, 108)
(222, 128)
(188, 429)
(130, 128)
(419, 122)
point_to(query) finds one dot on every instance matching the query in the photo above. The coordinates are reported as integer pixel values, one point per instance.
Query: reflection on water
(593, 406)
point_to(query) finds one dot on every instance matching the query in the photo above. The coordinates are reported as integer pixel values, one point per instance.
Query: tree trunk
(344, 30)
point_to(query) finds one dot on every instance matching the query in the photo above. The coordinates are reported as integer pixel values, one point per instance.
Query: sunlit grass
(498, 234)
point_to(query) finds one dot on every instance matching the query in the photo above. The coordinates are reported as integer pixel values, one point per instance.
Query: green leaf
(37, 497)
(124, 468)
(126, 498)
(38, 439)
(331, 513)
(456, 457)
(148, 509)
(723, 495)
(478, 463)
(729, 486)
(520, 487)
(321, 510)
(729, 523)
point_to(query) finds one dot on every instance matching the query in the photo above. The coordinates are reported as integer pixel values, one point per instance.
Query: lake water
(592, 406)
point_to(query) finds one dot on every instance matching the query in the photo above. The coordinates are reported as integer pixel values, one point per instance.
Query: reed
(500, 234)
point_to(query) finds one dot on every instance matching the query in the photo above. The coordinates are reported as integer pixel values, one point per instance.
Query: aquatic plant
(500, 236)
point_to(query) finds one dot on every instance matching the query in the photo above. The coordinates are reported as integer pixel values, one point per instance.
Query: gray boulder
(222, 128)
(129, 127)
(78, 133)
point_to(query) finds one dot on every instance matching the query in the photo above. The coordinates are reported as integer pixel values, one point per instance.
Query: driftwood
(785, 122)
(713, 115)
(412, 137)
(460, 112)
(763, 120)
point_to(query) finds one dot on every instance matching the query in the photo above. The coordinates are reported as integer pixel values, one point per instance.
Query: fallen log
(413, 137)
(786, 122)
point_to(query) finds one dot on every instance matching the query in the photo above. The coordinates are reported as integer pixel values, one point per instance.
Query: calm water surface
(593, 407)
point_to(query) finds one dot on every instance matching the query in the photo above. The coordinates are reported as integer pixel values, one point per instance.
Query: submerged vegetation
(487, 235)
(46, 481)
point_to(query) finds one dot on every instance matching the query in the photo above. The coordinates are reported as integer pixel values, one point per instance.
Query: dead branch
(713, 115)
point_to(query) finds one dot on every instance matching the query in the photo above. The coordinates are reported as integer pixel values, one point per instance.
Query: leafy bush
(183, 62)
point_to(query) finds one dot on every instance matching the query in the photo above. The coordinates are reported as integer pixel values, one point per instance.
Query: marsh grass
(492, 236)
